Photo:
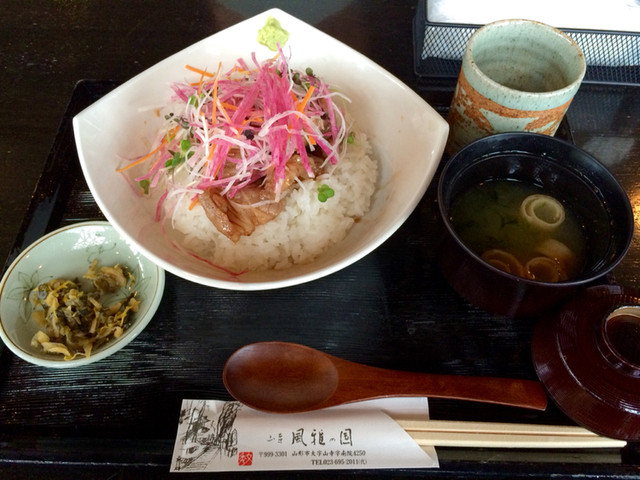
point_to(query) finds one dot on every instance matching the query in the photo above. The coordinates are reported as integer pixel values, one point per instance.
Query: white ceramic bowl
(67, 253)
(407, 136)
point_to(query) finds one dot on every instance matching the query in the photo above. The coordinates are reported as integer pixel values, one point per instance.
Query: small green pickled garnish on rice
(144, 184)
(325, 192)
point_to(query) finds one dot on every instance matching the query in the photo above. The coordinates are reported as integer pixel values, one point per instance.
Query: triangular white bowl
(407, 136)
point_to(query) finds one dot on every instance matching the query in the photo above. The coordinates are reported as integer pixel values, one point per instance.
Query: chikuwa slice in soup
(521, 230)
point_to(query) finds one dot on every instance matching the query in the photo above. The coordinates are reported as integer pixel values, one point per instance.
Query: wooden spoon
(288, 378)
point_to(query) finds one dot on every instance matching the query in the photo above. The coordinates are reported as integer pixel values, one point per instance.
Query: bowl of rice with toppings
(252, 164)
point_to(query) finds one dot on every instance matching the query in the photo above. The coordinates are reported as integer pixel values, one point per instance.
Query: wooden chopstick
(445, 433)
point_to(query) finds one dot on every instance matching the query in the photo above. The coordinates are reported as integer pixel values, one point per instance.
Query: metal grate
(612, 57)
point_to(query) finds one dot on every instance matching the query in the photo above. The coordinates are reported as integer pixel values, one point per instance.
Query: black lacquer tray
(118, 418)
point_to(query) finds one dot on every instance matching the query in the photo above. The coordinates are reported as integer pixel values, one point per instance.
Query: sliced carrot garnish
(229, 106)
(170, 134)
(199, 71)
(142, 159)
(305, 100)
(193, 203)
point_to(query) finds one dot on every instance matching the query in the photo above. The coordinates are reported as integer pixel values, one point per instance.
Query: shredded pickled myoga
(237, 142)
(75, 322)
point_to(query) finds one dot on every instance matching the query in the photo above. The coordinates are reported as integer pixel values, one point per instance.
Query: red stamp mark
(245, 459)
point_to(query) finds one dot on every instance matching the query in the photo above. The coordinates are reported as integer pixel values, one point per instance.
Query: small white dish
(67, 253)
(407, 137)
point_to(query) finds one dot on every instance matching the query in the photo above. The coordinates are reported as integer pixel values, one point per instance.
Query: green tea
(490, 219)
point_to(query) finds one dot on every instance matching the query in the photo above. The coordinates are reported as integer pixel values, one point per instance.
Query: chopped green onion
(145, 184)
(325, 192)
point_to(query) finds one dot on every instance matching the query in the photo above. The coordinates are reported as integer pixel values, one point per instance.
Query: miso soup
(521, 229)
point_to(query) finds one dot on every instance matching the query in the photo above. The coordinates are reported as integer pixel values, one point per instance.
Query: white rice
(303, 230)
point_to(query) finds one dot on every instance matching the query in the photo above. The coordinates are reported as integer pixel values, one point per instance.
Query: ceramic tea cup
(516, 75)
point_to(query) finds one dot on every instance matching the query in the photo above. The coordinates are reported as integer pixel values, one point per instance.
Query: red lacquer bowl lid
(588, 357)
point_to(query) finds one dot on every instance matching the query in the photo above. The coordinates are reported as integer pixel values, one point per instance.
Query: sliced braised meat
(255, 204)
(240, 216)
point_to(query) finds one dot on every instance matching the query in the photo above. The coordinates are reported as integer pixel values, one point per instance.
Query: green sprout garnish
(325, 192)
(178, 157)
(185, 145)
(351, 138)
(175, 160)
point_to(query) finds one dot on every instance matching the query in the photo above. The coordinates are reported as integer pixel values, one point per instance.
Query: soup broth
(492, 220)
